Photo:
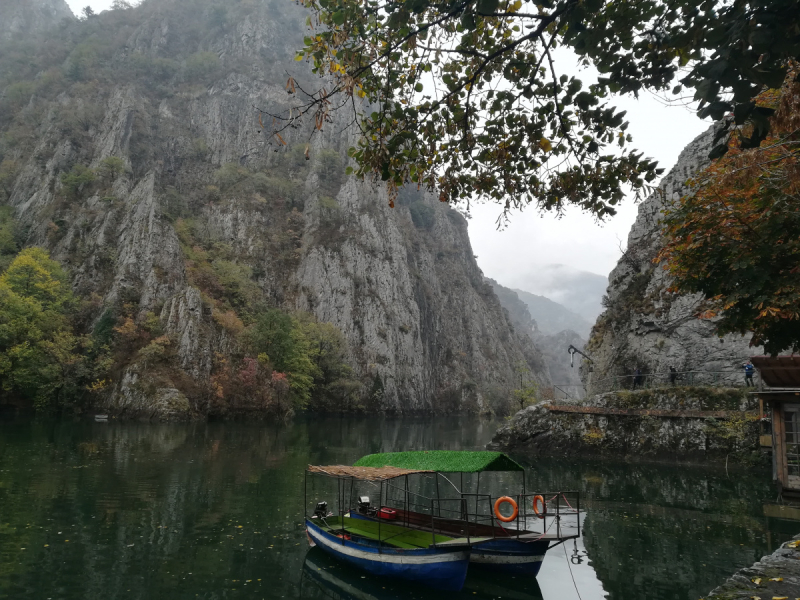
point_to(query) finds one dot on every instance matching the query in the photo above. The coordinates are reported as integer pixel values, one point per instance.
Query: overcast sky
(97, 5)
(513, 255)
(531, 241)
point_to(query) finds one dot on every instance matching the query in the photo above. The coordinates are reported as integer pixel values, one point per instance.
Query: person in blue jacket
(749, 369)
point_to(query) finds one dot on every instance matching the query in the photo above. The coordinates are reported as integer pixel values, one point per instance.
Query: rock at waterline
(677, 423)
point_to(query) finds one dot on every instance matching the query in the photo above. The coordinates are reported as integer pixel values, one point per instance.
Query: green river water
(103, 511)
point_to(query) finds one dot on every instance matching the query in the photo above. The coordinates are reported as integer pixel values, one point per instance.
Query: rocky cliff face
(201, 199)
(19, 17)
(645, 326)
(662, 424)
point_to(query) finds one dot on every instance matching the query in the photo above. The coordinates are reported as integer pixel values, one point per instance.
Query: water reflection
(213, 511)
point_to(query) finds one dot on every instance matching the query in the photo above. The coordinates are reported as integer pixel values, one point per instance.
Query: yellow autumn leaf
(545, 144)
(299, 57)
(776, 579)
(780, 598)
(757, 580)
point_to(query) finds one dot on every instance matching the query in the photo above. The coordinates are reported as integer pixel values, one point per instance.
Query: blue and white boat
(341, 582)
(513, 543)
(382, 548)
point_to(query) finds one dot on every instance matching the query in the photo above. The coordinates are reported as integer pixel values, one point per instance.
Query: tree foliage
(310, 353)
(465, 95)
(37, 346)
(737, 239)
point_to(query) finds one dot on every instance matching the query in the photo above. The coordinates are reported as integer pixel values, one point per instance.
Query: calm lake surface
(141, 511)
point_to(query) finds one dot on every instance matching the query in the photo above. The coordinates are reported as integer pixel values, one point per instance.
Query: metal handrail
(730, 378)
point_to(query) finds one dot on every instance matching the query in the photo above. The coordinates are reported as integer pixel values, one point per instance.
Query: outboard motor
(321, 510)
(363, 505)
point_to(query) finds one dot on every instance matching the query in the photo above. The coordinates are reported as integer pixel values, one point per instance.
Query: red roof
(779, 371)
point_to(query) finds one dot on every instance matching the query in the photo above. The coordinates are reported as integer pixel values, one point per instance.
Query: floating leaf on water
(757, 580)
(776, 578)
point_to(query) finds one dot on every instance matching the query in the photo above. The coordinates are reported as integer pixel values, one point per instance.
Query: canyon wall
(194, 215)
(646, 326)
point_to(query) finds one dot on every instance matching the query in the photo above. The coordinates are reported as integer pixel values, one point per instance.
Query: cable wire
(566, 556)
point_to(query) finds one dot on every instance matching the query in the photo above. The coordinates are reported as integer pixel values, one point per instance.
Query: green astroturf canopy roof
(445, 461)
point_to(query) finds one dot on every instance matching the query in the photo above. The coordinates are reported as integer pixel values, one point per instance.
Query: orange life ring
(505, 500)
(544, 506)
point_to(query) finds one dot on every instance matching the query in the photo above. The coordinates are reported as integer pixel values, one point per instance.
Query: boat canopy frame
(380, 476)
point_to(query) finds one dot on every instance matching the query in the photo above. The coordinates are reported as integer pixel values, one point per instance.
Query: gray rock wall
(20, 17)
(539, 430)
(644, 325)
(407, 293)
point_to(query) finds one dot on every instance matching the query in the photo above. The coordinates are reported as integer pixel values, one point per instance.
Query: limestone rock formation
(644, 325)
(19, 17)
(641, 424)
(201, 189)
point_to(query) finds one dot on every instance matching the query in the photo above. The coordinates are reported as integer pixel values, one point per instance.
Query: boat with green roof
(515, 542)
(381, 546)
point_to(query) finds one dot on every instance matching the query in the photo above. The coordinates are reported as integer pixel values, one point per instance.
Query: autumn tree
(282, 341)
(736, 240)
(465, 96)
(38, 351)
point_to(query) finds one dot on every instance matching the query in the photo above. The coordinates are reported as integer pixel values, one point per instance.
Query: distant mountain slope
(552, 344)
(517, 310)
(552, 317)
(580, 291)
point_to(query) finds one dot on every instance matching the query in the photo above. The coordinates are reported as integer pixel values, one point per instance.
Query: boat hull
(503, 555)
(509, 556)
(441, 568)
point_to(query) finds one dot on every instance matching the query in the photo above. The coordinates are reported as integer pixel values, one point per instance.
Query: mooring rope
(566, 557)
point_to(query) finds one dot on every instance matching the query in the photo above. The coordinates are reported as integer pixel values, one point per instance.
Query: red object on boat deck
(387, 513)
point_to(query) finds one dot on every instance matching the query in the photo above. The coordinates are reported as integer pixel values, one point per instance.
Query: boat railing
(436, 515)
(558, 513)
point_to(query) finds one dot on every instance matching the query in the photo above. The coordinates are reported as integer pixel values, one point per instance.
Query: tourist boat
(378, 546)
(514, 543)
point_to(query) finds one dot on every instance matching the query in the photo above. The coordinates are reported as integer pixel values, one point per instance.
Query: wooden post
(779, 443)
